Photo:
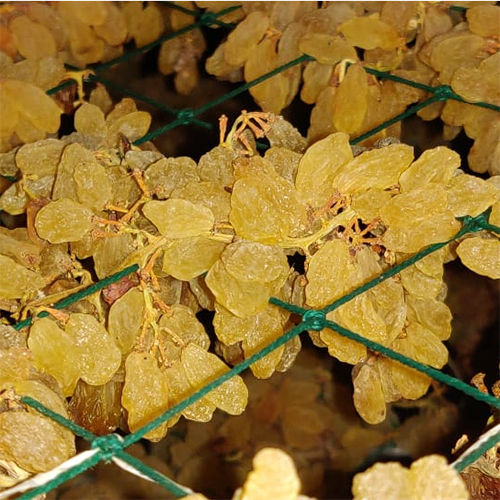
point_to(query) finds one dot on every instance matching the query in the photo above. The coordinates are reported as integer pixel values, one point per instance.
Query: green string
(470, 226)
(152, 102)
(191, 113)
(444, 91)
(61, 86)
(463, 463)
(161, 479)
(311, 320)
(425, 369)
(198, 13)
(80, 295)
(104, 441)
(61, 478)
(9, 178)
(203, 21)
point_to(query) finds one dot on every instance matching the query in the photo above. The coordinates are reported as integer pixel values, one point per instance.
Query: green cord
(312, 320)
(74, 428)
(152, 102)
(187, 120)
(145, 48)
(409, 112)
(61, 478)
(167, 483)
(425, 369)
(469, 459)
(80, 295)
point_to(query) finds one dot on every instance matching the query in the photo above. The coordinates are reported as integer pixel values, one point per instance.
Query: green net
(112, 446)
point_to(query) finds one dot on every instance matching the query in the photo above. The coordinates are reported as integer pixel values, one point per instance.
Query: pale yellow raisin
(63, 220)
(319, 166)
(145, 393)
(55, 352)
(202, 367)
(99, 355)
(481, 256)
(368, 396)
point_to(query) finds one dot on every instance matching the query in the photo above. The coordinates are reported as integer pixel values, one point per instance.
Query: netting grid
(112, 447)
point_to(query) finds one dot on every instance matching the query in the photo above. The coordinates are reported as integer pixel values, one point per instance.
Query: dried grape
(89, 119)
(378, 168)
(63, 220)
(319, 167)
(434, 165)
(99, 356)
(188, 258)
(430, 313)
(38, 451)
(273, 476)
(326, 49)
(327, 282)
(32, 39)
(177, 218)
(35, 105)
(470, 195)
(369, 33)
(202, 367)
(16, 281)
(432, 220)
(97, 408)
(39, 158)
(180, 388)
(484, 19)
(55, 352)
(244, 38)
(251, 261)
(368, 395)
(145, 393)
(388, 480)
(481, 255)
(350, 101)
(240, 297)
(180, 323)
(93, 186)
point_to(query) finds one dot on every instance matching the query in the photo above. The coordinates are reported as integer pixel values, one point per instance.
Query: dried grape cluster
(38, 39)
(308, 222)
(423, 42)
(216, 235)
(305, 412)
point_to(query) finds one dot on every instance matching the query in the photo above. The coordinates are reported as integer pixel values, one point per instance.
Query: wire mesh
(112, 446)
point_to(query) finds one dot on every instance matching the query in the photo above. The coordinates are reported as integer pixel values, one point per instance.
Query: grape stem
(328, 226)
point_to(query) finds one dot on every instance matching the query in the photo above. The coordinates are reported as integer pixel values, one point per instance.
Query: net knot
(207, 18)
(109, 445)
(444, 92)
(475, 224)
(315, 320)
(186, 116)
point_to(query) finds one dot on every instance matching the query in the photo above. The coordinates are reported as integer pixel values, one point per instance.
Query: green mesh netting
(113, 446)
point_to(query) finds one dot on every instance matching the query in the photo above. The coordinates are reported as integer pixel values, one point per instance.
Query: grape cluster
(222, 234)
(38, 39)
(426, 43)
(216, 235)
